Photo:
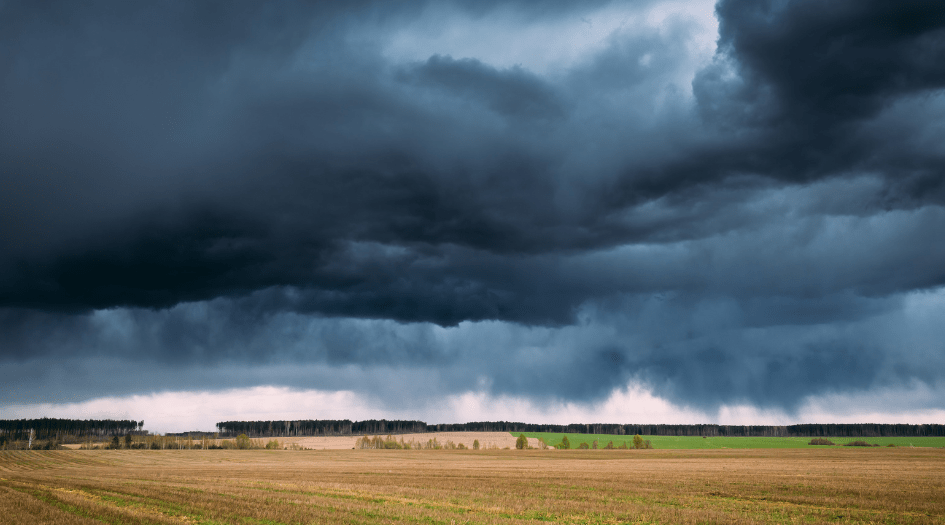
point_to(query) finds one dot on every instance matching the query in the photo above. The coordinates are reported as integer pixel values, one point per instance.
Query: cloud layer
(369, 194)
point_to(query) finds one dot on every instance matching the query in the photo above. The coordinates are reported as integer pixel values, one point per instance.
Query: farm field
(697, 442)
(486, 440)
(827, 485)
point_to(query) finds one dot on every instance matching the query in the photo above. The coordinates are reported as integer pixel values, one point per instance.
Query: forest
(65, 429)
(378, 427)
(324, 427)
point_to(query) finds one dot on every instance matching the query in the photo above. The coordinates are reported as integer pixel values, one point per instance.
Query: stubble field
(876, 485)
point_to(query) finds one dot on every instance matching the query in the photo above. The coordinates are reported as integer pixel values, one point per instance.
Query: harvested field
(486, 440)
(492, 486)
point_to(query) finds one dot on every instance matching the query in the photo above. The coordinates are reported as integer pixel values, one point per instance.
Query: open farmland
(486, 440)
(720, 442)
(836, 485)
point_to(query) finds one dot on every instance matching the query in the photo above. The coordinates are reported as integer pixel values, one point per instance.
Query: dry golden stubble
(404, 486)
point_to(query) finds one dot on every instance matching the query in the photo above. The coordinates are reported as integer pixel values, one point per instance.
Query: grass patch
(710, 443)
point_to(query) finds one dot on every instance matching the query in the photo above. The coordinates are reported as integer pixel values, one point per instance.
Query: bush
(594, 445)
(583, 446)
(377, 442)
(51, 444)
(476, 445)
(273, 445)
(859, 443)
(639, 442)
(610, 445)
(623, 446)
(522, 442)
(821, 441)
(565, 444)
(243, 442)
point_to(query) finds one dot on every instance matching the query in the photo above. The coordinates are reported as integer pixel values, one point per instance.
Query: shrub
(51, 444)
(583, 446)
(594, 445)
(377, 442)
(522, 442)
(273, 445)
(638, 441)
(243, 442)
(565, 444)
(859, 443)
(821, 441)
(623, 446)
(610, 445)
(476, 445)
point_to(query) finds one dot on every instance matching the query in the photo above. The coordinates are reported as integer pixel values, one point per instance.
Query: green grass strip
(726, 442)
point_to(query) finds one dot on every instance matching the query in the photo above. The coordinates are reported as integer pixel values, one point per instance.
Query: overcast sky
(633, 212)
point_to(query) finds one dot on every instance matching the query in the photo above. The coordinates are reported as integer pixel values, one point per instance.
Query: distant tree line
(323, 427)
(59, 429)
(384, 427)
(805, 430)
(195, 434)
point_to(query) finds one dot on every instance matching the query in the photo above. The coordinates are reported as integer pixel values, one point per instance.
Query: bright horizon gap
(184, 411)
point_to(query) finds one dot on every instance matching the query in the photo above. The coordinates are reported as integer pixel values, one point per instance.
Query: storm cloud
(370, 195)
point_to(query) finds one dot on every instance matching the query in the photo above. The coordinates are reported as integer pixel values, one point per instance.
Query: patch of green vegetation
(68, 508)
(721, 442)
(257, 521)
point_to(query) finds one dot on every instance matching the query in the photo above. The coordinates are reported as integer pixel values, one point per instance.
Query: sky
(552, 212)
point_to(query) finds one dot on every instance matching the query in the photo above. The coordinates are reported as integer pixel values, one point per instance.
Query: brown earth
(486, 440)
(216, 487)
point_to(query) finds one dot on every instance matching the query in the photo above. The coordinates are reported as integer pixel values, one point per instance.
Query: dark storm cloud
(809, 76)
(224, 184)
(510, 93)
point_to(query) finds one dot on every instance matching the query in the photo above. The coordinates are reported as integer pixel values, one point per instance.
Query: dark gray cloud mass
(187, 187)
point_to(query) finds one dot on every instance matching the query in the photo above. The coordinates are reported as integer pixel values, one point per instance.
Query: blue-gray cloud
(257, 185)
